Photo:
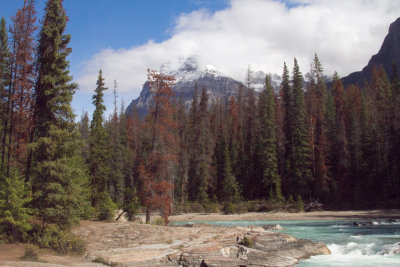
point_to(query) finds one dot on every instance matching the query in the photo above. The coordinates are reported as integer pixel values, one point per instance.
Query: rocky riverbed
(132, 244)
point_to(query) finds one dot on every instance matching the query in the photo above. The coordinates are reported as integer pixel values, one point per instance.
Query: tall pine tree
(59, 175)
(298, 172)
(316, 103)
(99, 156)
(286, 93)
(5, 78)
(267, 143)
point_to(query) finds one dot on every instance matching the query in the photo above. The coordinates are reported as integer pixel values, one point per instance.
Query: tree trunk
(147, 215)
(119, 216)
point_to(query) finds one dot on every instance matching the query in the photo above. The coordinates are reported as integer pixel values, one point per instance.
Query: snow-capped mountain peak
(188, 70)
(189, 74)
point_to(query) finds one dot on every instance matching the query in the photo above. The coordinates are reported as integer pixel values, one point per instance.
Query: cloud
(260, 33)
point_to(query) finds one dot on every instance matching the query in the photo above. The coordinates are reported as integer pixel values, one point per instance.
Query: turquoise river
(364, 243)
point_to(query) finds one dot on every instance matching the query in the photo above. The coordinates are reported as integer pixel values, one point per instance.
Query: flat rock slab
(133, 244)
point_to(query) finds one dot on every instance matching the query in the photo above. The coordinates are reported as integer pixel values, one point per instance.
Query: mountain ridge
(188, 74)
(388, 54)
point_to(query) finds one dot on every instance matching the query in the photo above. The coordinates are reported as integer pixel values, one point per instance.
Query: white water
(367, 244)
(371, 244)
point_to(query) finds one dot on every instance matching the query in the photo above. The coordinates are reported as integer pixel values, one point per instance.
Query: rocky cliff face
(388, 55)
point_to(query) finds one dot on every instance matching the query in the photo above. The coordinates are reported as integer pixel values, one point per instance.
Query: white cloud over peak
(260, 33)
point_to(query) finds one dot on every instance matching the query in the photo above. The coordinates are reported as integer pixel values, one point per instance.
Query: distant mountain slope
(187, 76)
(387, 55)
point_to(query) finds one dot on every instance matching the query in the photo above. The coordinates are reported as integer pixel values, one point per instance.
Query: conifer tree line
(308, 141)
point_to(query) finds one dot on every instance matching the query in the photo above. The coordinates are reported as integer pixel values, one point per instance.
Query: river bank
(286, 216)
(135, 244)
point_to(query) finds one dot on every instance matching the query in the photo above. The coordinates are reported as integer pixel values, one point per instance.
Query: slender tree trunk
(147, 215)
(3, 147)
(10, 134)
(3, 151)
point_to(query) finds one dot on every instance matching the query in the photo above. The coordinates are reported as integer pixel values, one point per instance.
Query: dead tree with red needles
(157, 174)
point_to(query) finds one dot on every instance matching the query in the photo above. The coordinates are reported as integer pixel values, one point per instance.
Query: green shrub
(14, 213)
(131, 204)
(299, 204)
(30, 254)
(105, 208)
(247, 242)
(210, 207)
(229, 208)
(195, 207)
(251, 206)
(158, 221)
(240, 208)
(60, 241)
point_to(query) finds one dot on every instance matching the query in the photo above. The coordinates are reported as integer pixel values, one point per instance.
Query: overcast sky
(125, 38)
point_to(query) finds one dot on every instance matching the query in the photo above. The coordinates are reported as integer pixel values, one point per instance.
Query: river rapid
(362, 243)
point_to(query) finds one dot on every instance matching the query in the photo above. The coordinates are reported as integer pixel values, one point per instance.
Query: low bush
(60, 241)
(247, 242)
(30, 253)
(229, 208)
(158, 221)
(194, 207)
(210, 207)
(300, 204)
(105, 208)
(103, 261)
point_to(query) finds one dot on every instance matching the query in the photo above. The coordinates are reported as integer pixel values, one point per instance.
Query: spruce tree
(267, 147)
(199, 162)
(234, 136)
(299, 177)
(5, 76)
(316, 104)
(181, 188)
(99, 156)
(227, 186)
(286, 93)
(204, 160)
(353, 104)
(249, 145)
(395, 132)
(84, 130)
(117, 154)
(193, 170)
(59, 174)
(230, 187)
(130, 201)
(340, 162)
(14, 211)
